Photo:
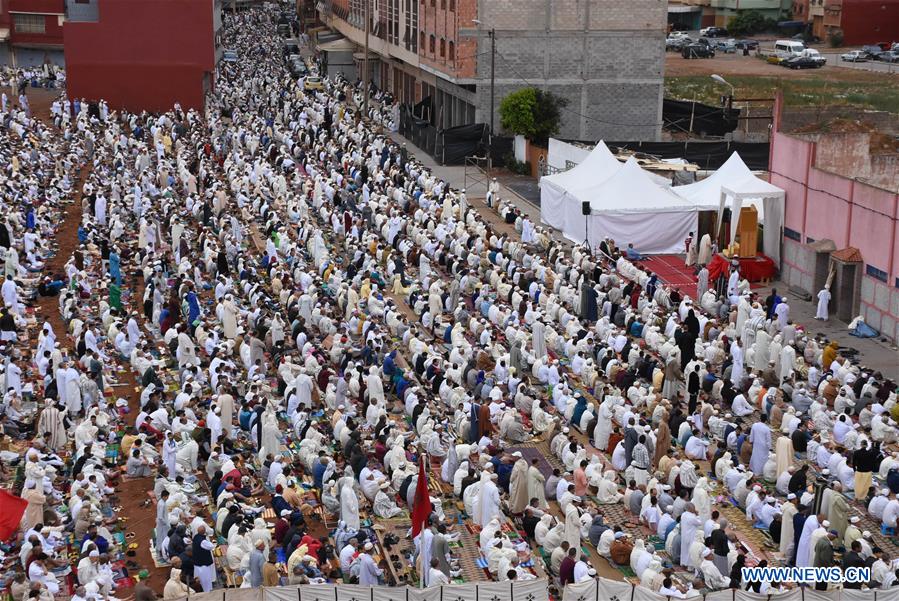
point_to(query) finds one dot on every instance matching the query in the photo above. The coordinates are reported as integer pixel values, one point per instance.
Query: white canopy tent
(631, 208)
(734, 181)
(562, 194)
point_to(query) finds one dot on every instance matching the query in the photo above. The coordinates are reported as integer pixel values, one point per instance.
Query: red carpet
(672, 271)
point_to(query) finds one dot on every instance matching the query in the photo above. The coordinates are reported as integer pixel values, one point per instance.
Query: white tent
(734, 181)
(631, 208)
(562, 194)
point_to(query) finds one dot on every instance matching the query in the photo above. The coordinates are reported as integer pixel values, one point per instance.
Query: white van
(788, 48)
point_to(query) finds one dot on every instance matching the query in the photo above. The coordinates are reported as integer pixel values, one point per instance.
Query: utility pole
(492, 87)
(365, 61)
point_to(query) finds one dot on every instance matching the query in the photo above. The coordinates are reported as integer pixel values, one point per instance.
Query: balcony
(83, 11)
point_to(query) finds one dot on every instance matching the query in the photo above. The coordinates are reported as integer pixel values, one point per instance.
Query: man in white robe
(689, 522)
(489, 504)
(786, 528)
(823, 302)
(804, 551)
(349, 504)
(760, 437)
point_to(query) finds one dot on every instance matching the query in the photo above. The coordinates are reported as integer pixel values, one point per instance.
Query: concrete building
(841, 196)
(605, 56)
(143, 54)
(31, 32)
(707, 13)
(770, 9)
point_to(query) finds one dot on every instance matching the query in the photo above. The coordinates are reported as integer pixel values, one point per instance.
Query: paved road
(833, 60)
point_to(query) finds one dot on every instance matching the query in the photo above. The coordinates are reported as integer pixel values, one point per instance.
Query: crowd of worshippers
(279, 274)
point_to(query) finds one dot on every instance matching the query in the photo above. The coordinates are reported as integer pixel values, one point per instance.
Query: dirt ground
(40, 100)
(739, 65)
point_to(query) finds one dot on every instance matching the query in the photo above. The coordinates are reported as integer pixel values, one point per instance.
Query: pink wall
(846, 211)
(789, 162)
(826, 216)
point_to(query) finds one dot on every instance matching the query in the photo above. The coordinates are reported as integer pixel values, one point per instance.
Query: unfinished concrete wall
(605, 57)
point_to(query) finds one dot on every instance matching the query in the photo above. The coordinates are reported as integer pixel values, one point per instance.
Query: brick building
(605, 56)
(142, 54)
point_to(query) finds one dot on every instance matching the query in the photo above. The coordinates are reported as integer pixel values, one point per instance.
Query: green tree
(747, 22)
(533, 113)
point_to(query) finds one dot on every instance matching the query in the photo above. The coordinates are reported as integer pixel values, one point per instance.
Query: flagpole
(424, 474)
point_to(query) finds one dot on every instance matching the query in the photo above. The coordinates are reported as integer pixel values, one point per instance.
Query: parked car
(284, 30)
(706, 42)
(854, 56)
(713, 32)
(815, 56)
(726, 46)
(801, 62)
(891, 56)
(314, 83)
(697, 51)
(677, 42)
(788, 48)
(297, 66)
(872, 51)
(748, 44)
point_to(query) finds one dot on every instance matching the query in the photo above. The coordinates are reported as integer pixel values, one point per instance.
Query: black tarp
(461, 141)
(419, 131)
(677, 115)
(708, 155)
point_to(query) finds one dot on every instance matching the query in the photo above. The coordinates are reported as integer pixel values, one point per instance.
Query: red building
(863, 21)
(142, 54)
(33, 30)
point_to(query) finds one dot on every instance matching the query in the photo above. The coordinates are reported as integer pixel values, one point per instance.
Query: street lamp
(719, 79)
(492, 33)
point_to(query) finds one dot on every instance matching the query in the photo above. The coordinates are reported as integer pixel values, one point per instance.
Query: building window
(422, 40)
(453, 5)
(29, 23)
(442, 4)
(809, 239)
(792, 234)
(876, 273)
(442, 48)
(432, 44)
(452, 51)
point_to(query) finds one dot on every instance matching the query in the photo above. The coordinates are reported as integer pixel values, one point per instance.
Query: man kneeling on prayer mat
(137, 466)
(385, 505)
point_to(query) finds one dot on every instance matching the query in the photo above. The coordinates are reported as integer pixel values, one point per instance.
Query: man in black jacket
(853, 559)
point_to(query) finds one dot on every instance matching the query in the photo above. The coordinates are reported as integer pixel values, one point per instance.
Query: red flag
(11, 510)
(422, 508)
